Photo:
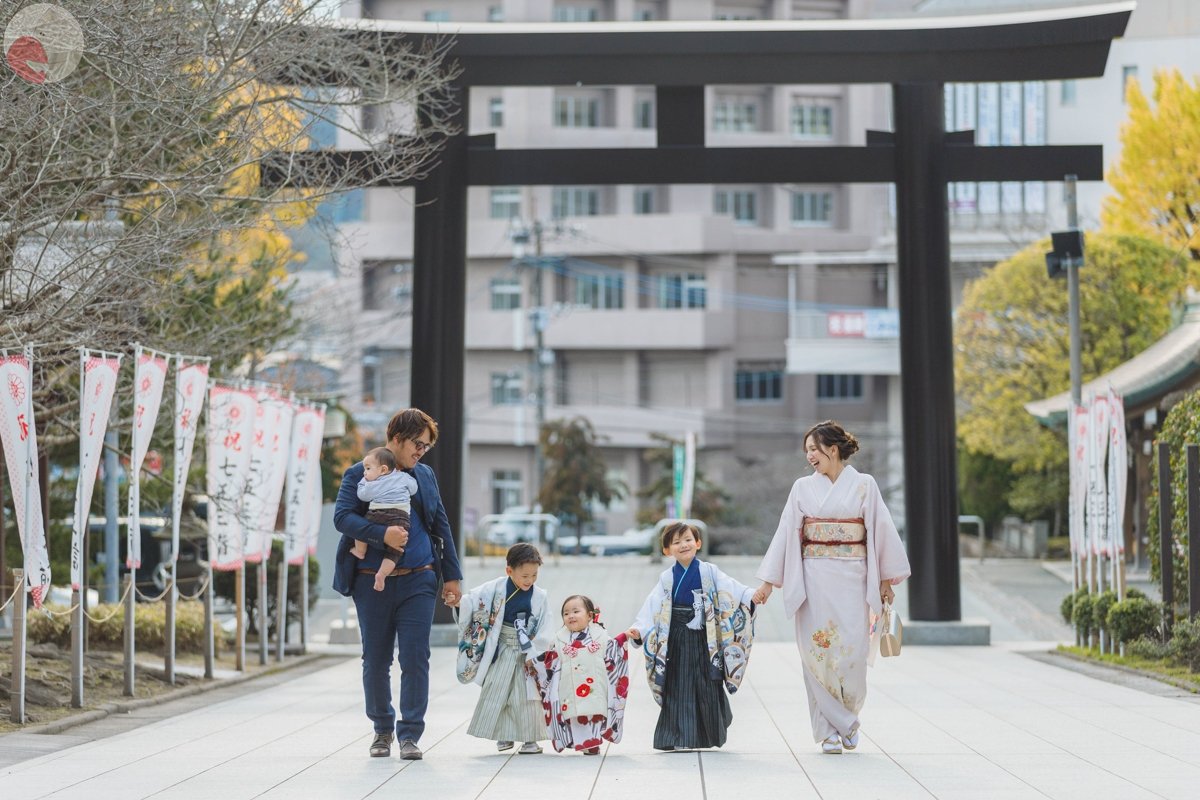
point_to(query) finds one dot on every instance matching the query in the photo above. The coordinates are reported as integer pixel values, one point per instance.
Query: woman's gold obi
(833, 538)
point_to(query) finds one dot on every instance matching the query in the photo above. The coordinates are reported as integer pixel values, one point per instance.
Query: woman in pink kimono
(836, 555)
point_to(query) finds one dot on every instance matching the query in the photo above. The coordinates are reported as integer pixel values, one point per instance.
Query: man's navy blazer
(349, 517)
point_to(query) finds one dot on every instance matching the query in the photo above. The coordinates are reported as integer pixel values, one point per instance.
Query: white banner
(1118, 472)
(279, 413)
(1097, 523)
(96, 390)
(1078, 437)
(255, 491)
(303, 484)
(150, 375)
(315, 496)
(191, 380)
(230, 429)
(20, 453)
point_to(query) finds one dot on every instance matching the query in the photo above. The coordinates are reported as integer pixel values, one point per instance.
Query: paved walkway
(939, 722)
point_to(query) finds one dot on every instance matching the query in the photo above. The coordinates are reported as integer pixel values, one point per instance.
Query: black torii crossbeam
(917, 56)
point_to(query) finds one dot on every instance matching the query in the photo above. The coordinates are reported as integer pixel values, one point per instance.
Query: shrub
(1134, 618)
(1081, 613)
(1133, 591)
(1184, 647)
(106, 629)
(1067, 607)
(1100, 606)
(1148, 648)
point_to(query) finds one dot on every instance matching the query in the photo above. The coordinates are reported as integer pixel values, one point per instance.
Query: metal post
(281, 585)
(304, 603)
(1079, 576)
(130, 599)
(169, 627)
(239, 595)
(77, 634)
(439, 307)
(263, 627)
(16, 689)
(209, 642)
(926, 351)
(1165, 547)
(112, 541)
(1193, 524)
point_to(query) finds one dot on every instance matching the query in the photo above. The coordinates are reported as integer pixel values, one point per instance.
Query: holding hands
(452, 593)
(762, 593)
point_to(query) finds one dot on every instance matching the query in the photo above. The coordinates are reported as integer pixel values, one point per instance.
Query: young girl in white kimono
(583, 679)
(836, 553)
(501, 619)
(697, 626)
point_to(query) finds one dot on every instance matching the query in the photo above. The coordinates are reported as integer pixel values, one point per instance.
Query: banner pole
(209, 642)
(16, 692)
(77, 632)
(304, 602)
(169, 627)
(240, 602)
(130, 599)
(281, 580)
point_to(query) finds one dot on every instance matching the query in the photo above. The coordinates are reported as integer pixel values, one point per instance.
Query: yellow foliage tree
(1156, 181)
(1011, 340)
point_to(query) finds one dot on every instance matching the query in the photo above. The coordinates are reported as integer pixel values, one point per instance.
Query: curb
(1145, 673)
(126, 706)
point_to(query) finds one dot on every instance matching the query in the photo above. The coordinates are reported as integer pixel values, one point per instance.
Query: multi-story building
(741, 313)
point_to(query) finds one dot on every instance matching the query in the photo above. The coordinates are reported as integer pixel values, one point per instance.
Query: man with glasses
(402, 614)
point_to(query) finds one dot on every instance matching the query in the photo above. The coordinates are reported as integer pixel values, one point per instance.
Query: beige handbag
(892, 632)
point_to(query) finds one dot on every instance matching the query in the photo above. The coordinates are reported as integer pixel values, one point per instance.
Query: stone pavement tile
(633, 775)
(1063, 775)
(732, 773)
(964, 776)
(861, 775)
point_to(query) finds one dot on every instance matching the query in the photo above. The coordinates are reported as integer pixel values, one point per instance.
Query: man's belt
(398, 571)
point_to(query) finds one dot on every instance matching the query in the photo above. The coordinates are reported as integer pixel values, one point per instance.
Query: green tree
(576, 476)
(1011, 347)
(1181, 427)
(1156, 181)
(709, 502)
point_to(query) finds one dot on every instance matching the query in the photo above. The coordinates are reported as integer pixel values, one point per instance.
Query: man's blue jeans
(400, 616)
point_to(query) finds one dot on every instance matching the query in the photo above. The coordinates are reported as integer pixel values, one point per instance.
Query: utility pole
(1083, 559)
(538, 317)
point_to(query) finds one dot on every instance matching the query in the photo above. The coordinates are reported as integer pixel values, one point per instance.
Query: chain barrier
(199, 592)
(118, 607)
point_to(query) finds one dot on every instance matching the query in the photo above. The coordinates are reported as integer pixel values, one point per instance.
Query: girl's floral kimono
(583, 679)
(834, 545)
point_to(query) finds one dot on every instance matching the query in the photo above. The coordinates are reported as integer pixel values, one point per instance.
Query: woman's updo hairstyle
(830, 435)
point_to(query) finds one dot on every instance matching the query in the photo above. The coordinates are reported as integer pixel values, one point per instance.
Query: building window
(495, 13)
(741, 205)
(758, 383)
(646, 12)
(737, 12)
(1066, 93)
(437, 16)
(643, 113)
(839, 387)
(506, 388)
(736, 113)
(506, 202)
(372, 376)
(688, 290)
(812, 208)
(645, 200)
(496, 112)
(600, 291)
(506, 294)
(506, 489)
(575, 14)
(575, 201)
(576, 112)
(810, 121)
(1128, 73)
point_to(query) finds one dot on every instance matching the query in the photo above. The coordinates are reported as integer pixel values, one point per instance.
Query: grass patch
(1155, 668)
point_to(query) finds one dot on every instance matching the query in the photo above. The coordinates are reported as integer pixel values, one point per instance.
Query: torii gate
(915, 55)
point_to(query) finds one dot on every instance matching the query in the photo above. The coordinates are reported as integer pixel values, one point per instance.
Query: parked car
(156, 551)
